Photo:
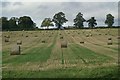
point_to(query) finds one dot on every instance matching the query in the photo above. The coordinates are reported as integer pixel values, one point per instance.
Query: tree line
(14, 23)
(26, 23)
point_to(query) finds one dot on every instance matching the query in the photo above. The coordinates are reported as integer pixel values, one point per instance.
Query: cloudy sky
(39, 10)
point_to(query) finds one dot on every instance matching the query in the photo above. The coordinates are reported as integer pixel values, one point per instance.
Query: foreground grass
(99, 72)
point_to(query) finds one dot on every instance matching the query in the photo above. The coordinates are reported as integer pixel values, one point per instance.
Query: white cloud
(40, 10)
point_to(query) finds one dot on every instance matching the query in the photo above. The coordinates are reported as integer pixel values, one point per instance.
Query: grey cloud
(39, 11)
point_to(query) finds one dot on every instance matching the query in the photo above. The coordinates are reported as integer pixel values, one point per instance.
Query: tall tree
(59, 19)
(92, 22)
(78, 21)
(26, 22)
(109, 20)
(47, 22)
(5, 25)
(13, 23)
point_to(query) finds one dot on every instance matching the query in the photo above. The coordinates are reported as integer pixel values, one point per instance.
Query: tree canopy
(92, 22)
(109, 20)
(59, 19)
(25, 22)
(78, 21)
(47, 22)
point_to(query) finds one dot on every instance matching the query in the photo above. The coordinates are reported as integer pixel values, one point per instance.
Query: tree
(78, 21)
(59, 19)
(13, 23)
(26, 22)
(109, 20)
(47, 22)
(4, 23)
(92, 22)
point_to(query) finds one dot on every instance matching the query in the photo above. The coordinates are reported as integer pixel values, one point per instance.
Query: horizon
(40, 10)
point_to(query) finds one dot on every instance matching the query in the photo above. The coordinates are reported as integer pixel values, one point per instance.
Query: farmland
(92, 58)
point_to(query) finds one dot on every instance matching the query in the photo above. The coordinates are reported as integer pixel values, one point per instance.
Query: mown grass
(36, 54)
(97, 72)
(74, 54)
(88, 56)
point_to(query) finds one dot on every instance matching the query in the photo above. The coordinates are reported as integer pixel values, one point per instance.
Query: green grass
(100, 72)
(89, 56)
(46, 60)
(39, 54)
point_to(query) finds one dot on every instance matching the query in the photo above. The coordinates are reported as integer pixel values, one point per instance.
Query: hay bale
(106, 34)
(50, 36)
(26, 36)
(63, 44)
(81, 42)
(43, 41)
(90, 34)
(87, 35)
(109, 42)
(6, 39)
(109, 38)
(118, 37)
(36, 36)
(61, 37)
(19, 42)
(16, 50)
(7, 36)
(73, 35)
(22, 35)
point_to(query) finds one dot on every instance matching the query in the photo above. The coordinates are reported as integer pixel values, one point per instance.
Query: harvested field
(86, 54)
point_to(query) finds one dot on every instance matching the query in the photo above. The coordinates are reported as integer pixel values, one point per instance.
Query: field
(92, 59)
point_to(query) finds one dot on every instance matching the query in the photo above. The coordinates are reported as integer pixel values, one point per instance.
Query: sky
(38, 10)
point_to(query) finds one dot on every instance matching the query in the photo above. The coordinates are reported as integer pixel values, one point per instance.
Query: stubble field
(87, 55)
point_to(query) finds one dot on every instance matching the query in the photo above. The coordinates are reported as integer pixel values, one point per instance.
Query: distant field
(93, 59)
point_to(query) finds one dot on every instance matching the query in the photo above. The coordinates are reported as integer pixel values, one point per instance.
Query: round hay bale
(81, 42)
(118, 37)
(43, 41)
(90, 34)
(19, 42)
(36, 36)
(7, 36)
(63, 44)
(6, 39)
(61, 37)
(106, 34)
(50, 36)
(109, 42)
(26, 36)
(16, 50)
(73, 35)
(87, 35)
(109, 38)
